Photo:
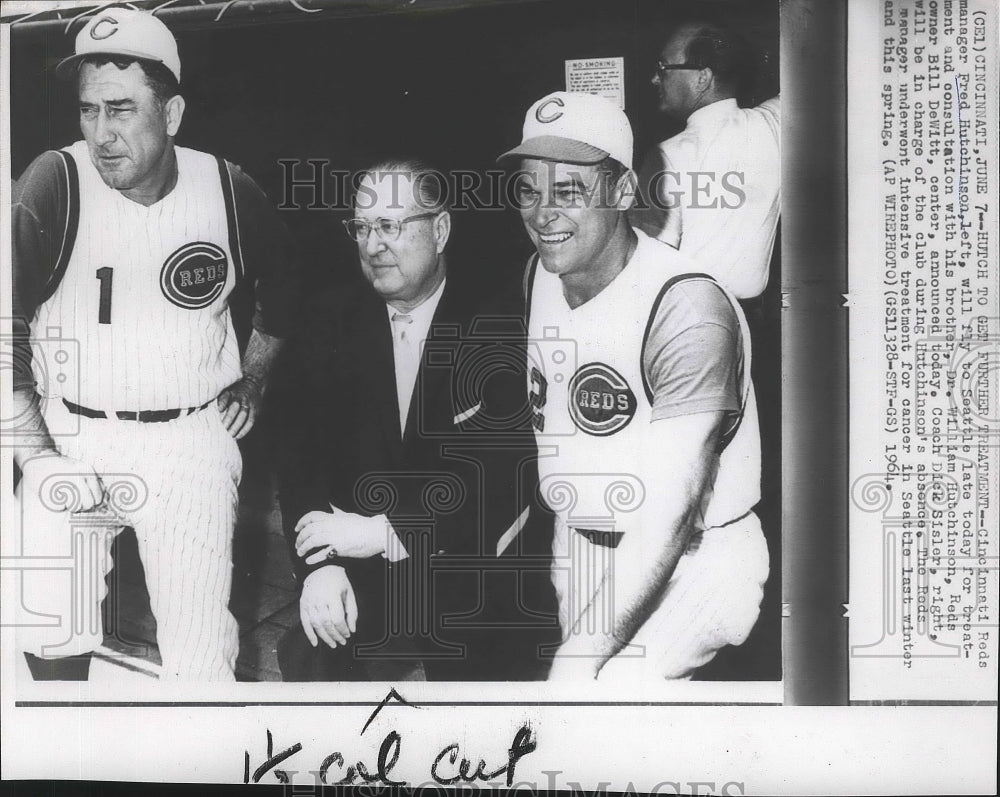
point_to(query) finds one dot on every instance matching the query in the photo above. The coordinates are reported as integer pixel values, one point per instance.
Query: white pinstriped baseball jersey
(144, 293)
(148, 292)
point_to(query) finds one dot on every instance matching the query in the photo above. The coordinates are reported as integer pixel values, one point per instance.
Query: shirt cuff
(394, 551)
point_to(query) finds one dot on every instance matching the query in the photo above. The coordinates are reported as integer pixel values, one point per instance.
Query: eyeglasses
(662, 67)
(387, 229)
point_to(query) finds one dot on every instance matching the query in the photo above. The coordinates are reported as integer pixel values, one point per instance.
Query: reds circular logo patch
(194, 275)
(600, 400)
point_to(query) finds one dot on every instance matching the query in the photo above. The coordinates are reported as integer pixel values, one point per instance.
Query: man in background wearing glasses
(407, 479)
(713, 190)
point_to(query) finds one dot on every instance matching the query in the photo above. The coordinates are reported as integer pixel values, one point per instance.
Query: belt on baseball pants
(142, 416)
(610, 539)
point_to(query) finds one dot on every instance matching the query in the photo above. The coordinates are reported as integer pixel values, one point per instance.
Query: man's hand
(87, 491)
(339, 533)
(327, 608)
(644, 563)
(239, 404)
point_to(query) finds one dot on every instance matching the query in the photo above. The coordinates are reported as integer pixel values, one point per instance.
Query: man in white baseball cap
(642, 404)
(151, 257)
(579, 146)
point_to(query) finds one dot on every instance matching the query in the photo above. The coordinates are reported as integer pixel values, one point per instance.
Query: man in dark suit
(410, 474)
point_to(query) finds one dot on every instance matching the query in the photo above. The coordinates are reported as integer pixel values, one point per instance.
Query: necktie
(400, 322)
(406, 361)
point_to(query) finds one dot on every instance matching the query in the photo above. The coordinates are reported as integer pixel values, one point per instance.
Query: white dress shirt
(407, 344)
(732, 240)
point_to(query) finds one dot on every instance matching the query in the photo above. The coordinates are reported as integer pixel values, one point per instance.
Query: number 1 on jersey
(105, 276)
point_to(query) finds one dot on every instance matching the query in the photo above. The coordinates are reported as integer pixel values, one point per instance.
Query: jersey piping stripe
(69, 229)
(747, 363)
(234, 225)
(529, 285)
(515, 528)
(730, 433)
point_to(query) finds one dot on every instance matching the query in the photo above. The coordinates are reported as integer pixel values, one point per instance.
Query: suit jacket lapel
(432, 382)
(372, 345)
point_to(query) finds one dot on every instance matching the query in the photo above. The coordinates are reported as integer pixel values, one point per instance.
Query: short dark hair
(431, 184)
(159, 78)
(722, 50)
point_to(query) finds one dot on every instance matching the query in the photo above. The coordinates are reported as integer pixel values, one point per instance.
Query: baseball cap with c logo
(574, 127)
(124, 31)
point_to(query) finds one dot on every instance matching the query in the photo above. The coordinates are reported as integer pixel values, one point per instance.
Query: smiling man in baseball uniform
(144, 253)
(649, 453)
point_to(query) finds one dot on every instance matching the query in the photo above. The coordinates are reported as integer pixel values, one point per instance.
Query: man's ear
(705, 79)
(442, 230)
(174, 110)
(624, 191)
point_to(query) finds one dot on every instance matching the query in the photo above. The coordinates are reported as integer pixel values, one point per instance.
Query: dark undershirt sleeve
(268, 257)
(39, 205)
(649, 213)
(693, 358)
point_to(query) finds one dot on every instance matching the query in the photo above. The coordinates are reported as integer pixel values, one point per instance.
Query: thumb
(307, 626)
(351, 607)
